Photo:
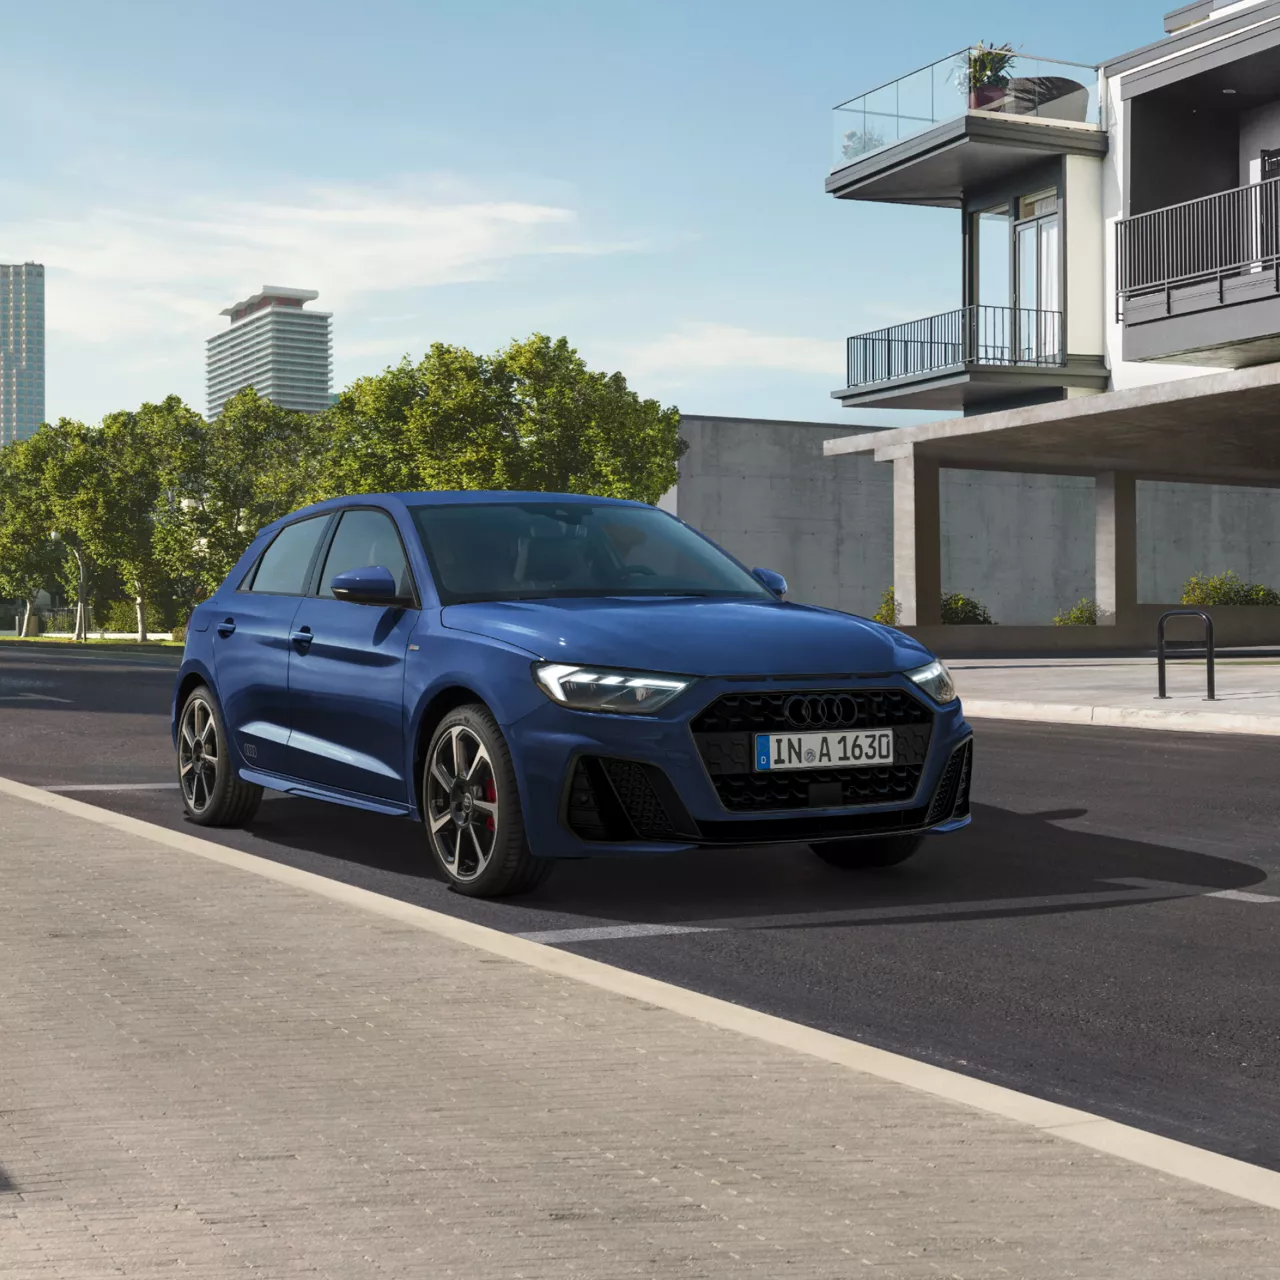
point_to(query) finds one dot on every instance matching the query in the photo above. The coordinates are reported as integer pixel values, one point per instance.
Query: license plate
(837, 749)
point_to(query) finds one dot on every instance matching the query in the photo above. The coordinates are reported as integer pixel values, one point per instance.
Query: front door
(251, 645)
(1037, 290)
(346, 669)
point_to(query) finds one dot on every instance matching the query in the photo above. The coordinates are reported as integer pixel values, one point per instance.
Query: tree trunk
(30, 620)
(140, 605)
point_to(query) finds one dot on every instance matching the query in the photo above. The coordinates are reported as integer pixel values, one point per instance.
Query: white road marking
(32, 697)
(113, 786)
(606, 933)
(1200, 891)
(1133, 890)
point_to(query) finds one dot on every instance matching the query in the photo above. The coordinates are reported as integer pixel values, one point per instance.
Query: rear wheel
(471, 807)
(867, 852)
(212, 790)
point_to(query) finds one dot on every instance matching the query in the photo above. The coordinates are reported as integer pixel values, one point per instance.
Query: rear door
(346, 668)
(251, 644)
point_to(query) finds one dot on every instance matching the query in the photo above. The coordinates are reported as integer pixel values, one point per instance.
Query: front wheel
(471, 807)
(867, 852)
(212, 791)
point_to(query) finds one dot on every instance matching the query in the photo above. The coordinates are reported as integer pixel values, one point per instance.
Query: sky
(643, 178)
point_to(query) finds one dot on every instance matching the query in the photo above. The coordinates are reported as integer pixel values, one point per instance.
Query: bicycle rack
(1208, 647)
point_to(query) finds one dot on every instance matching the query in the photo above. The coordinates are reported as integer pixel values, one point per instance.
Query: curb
(1148, 1150)
(1124, 717)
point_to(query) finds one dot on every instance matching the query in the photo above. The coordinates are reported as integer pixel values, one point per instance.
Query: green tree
(65, 466)
(29, 559)
(220, 482)
(533, 416)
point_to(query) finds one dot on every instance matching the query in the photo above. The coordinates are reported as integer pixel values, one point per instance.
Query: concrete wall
(1023, 544)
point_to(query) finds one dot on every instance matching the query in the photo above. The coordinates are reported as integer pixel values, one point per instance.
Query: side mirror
(774, 581)
(373, 584)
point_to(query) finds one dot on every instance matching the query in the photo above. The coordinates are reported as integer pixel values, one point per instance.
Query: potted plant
(984, 73)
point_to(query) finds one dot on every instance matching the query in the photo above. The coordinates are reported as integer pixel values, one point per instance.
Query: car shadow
(1005, 863)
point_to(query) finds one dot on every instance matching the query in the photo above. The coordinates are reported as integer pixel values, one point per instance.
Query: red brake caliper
(491, 795)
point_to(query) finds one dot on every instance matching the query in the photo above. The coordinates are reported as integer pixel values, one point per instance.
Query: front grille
(611, 800)
(724, 734)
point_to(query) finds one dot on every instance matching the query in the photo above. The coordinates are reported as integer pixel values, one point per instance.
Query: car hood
(692, 636)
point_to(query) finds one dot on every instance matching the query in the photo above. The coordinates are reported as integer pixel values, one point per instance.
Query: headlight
(605, 689)
(935, 680)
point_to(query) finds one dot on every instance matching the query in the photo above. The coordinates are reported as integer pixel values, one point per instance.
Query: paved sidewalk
(1122, 691)
(204, 1071)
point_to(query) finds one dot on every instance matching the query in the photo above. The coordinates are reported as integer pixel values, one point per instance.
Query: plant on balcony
(887, 613)
(960, 610)
(1084, 613)
(857, 142)
(984, 73)
(1226, 588)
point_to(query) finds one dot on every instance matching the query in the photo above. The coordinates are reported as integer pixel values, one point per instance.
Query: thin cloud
(698, 347)
(117, 273)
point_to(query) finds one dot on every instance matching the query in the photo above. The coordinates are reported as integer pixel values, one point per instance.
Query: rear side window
(365, 538)
(282, 571)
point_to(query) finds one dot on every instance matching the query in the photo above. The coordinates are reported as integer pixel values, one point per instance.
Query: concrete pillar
(917, 541)
(1116, 546)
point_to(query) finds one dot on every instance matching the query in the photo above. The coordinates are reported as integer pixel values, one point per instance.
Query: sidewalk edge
(1123, 717)
(1163, 1155)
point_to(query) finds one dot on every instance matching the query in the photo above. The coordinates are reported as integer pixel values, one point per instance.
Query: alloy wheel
(198, 754)
(462, 803)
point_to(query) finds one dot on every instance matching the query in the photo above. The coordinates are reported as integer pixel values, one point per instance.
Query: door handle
(302, 637)
(226, 626)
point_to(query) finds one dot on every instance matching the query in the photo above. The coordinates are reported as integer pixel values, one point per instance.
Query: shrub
(887, 613)
(180, 633)
(962, 610)
(1226, 588)
(122, 615)
(1084, 613)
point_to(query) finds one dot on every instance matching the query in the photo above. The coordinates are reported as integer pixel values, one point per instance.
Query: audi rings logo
(821, 711)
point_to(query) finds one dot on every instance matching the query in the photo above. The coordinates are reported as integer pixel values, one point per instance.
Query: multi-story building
(21, 350)
(275, 346)
(1119, 262)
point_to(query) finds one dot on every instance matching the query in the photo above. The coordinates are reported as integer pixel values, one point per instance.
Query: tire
(471, 809)
(867, 852)
(212, 796)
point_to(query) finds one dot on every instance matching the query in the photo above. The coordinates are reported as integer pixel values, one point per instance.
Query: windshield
(539, 550)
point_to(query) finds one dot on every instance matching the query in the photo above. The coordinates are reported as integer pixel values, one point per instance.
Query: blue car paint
(340, 715)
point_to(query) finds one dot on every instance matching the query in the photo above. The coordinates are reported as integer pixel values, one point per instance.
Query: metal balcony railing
(1210, 239)
(1007, 336)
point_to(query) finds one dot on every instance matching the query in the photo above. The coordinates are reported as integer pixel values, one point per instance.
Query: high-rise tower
(21, 350)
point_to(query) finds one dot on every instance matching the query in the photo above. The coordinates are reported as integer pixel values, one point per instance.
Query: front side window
(283, 567)
(549, 550)
(366, 538)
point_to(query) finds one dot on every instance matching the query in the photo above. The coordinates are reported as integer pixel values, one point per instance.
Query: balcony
(967, 119)
(974, 356)
(1199, 281)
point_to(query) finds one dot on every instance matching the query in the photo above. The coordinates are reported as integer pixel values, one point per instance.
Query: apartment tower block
(275, 346)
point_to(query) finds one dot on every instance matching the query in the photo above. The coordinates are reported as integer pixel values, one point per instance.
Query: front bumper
(599, 785)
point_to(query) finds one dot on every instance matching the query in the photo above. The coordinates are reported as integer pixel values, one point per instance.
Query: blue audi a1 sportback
(537, 676)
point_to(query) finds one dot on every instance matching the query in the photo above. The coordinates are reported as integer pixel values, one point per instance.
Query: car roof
(448, 497)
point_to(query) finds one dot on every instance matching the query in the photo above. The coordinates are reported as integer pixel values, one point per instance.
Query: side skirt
(308, 790)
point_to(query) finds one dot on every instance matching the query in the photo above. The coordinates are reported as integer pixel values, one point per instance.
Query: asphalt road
(1070, 943)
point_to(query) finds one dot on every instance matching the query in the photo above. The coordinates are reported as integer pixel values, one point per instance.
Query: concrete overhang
(976, 149)
(1223, 428)
(963, 386)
